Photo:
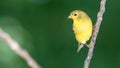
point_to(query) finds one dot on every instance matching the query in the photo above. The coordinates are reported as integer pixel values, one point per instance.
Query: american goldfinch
(82, 27)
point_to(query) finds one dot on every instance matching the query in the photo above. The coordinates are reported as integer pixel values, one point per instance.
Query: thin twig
(18, 50)
(95, 33)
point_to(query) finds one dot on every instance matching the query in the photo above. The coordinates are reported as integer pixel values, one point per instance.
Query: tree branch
(95, 33)
(18, 50)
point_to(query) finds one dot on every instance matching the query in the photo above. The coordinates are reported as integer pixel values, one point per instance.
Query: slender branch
(95, 33)
(18, 50)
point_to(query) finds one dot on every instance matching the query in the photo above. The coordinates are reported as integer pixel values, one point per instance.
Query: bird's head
(76, 15)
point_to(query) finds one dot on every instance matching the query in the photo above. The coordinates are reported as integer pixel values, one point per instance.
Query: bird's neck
(77, 20)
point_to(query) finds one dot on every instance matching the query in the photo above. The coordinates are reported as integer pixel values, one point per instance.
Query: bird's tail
(79, 47)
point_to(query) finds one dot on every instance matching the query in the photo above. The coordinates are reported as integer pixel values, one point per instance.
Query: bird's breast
(78, 27)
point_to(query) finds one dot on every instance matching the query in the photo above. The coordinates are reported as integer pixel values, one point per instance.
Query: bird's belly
(82, 38)
(82, 34)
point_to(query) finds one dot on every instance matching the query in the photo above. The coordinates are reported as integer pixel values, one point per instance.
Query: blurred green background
(42, 28)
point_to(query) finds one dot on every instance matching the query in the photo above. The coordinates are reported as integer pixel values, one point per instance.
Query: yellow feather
(82, 26)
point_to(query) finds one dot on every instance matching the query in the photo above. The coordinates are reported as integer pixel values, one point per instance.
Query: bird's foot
(89, 46)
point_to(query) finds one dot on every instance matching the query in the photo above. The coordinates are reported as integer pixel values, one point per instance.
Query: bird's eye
(75, 14)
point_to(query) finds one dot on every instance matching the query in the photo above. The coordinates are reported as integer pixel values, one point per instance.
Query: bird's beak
(70, 17)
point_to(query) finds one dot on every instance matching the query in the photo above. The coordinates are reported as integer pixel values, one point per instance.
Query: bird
(82, 27)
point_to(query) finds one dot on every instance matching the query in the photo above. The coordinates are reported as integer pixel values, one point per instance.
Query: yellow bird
(82, 27)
